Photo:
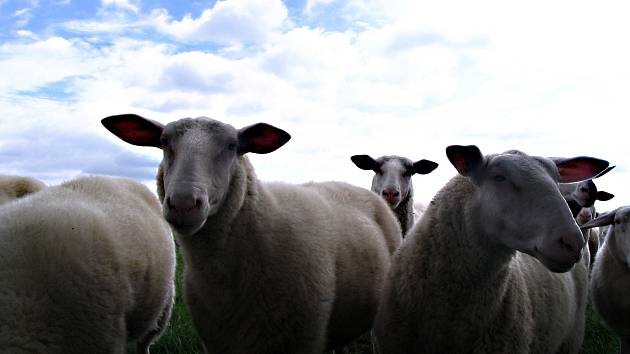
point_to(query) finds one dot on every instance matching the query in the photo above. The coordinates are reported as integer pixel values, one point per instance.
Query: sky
(377, 77)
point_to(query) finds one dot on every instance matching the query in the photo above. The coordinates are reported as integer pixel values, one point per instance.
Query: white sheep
(610, 277)
(475, 276)
(14, 187)
(270, 267)
(392, 181)
(85, 267)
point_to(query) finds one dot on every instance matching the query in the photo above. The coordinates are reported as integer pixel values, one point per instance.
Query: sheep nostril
(169, 206)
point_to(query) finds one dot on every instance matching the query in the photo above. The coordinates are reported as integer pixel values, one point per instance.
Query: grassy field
(180, 336)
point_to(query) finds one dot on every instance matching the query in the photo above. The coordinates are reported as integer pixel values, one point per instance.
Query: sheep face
(392, 178)
(198, 162)
(618, 233)
(200, 158)
(519, 204)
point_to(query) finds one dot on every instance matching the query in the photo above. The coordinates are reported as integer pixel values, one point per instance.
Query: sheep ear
(424, 167)
(365, 162)
(605, 171)
(134, 129)
(579, 168)
(261, 138)
(466, 159)
(604, 196)
(601, 220)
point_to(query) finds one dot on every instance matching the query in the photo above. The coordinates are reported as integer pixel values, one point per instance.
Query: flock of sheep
(88, 266)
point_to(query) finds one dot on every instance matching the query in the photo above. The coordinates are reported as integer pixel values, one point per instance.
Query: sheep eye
(498, 178)
(231, 147)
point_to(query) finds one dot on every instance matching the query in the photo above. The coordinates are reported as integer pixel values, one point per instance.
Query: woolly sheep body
(14, 187)
(451, 289)
(270, 267)
(86, 266)
(317, 255)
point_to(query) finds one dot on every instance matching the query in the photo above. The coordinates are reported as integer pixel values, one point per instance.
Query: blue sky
(379, 77)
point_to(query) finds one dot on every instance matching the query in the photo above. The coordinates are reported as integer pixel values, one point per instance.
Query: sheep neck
(614, 252)
(404, 213)
(211, 246)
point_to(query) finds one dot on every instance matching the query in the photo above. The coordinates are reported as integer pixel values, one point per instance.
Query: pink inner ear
(133, 130)
(460, 164)
(268, 140)
(576, 171)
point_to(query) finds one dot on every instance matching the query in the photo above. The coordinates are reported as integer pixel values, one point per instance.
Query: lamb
(270, 267)
(14, 187)
(87, 266)
(392, 181)
(474, 276)
(610, 277)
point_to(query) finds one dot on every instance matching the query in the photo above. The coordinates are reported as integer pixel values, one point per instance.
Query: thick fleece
(85, 267)
(14, 187)
(287, 268)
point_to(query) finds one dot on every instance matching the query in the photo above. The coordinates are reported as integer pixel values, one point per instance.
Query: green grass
(180, 336)
(597, 338)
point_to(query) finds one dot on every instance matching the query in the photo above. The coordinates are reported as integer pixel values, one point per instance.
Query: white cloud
(311, 5)
(126, 5)
(418, 76)
(227, 22)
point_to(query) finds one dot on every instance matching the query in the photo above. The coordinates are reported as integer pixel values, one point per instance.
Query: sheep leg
(625, 346)
(142, 346)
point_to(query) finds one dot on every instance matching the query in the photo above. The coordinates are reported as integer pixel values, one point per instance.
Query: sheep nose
(391, 195)
(572, 243)
(183, 202)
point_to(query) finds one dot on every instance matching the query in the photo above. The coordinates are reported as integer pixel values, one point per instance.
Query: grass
(180, 336)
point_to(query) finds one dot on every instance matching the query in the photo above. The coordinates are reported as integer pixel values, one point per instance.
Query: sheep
(581, 198)
(392, 181)
(87, 266)
(14, 187)
(269, 267)
(474, 276)
(610, 277)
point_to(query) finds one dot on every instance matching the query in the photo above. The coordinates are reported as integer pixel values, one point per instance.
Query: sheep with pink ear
(14, 187)
(475, 276)
(269, 267)
(87, 266)
(610, 277)
(392, 181)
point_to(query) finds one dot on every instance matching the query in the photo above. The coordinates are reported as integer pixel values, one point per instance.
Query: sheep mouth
(555, 265)
(184, 225)
(392, 202)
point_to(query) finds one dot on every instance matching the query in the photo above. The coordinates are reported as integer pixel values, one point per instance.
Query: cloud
(413, 77)
(23, 17)
(58, 154)
(126, 5)
(27, 66)
(227, 22)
